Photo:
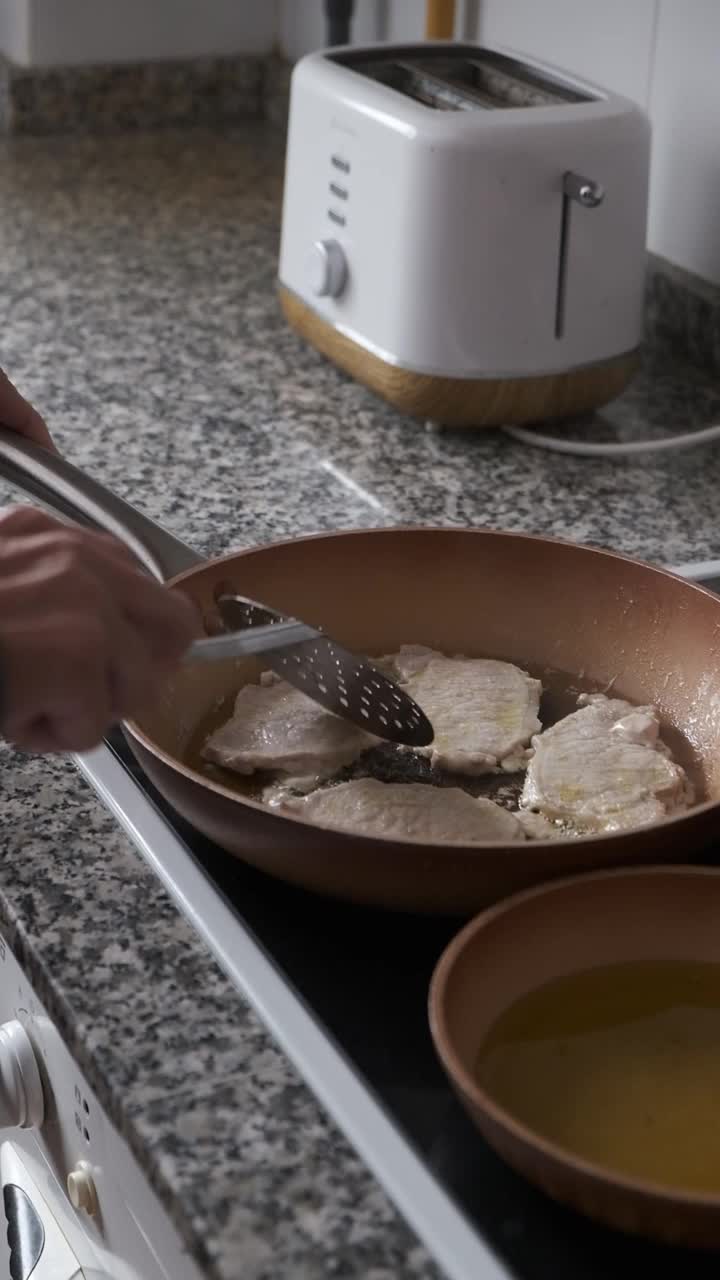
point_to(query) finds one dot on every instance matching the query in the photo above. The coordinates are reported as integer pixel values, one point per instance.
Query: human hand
(86, 638)
(18, 415)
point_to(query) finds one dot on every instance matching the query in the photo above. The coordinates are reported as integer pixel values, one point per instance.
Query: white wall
(685, 109)
(610, 41)
(66, 32)
(666, 55)
(15, 30)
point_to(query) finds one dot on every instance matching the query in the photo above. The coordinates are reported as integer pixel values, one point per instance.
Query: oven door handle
(38, 1248)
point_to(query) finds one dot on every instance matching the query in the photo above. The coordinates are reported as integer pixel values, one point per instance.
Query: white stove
(76, 1203)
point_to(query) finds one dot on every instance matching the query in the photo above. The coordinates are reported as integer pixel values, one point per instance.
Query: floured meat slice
(484, 712)
(409, 811)
(604, 768)
(277, 728)
(537, 827)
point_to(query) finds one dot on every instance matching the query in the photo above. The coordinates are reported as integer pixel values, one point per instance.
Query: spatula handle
(242, 644)
(66, 490)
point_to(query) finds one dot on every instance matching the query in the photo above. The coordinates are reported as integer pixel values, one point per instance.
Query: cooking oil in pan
(617, 1065)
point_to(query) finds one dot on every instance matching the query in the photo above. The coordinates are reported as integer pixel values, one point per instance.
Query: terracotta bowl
(650, 914)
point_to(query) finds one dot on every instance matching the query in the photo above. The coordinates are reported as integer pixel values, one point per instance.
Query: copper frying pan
(577, 617)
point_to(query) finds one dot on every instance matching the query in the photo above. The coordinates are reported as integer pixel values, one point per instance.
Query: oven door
(38, 1247)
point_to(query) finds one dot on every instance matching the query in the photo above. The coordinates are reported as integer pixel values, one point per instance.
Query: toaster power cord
(338, 20)
(586, 450)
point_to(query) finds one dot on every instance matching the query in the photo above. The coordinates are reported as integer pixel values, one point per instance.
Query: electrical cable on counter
(588, 450)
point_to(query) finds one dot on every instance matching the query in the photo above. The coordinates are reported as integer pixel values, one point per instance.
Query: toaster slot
(497, 82)
(415, 82)
(465, 78)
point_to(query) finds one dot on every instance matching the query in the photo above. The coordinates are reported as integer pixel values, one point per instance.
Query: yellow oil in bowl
(620, 1066)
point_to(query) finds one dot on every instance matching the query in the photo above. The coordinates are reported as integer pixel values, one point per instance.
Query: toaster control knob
(21, 1094)
(327, 269)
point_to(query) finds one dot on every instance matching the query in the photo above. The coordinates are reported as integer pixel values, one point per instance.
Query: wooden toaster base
(465, 402)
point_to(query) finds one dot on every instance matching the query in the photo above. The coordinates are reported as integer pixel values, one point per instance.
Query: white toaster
(464, 231)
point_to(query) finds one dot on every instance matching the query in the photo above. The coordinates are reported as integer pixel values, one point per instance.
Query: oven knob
(327, 269)
(81, 1189)
(21, 1095)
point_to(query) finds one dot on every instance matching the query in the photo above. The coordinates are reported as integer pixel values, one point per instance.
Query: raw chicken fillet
(604, 768)
(484, 712)
(409, 811)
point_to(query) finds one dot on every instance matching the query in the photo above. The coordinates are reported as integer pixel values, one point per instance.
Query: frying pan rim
(132, 727)
(504, 1119)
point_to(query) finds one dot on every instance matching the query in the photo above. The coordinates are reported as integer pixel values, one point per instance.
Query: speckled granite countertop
(137, 310)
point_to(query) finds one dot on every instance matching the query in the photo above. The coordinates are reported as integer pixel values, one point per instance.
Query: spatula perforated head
(348, 686)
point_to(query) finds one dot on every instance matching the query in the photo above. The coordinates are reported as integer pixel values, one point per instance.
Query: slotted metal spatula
(349, 686)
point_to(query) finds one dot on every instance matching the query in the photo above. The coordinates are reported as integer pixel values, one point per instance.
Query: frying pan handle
(68, 491)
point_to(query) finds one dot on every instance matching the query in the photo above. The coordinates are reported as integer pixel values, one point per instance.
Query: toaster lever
(583, 190)
(589, 194)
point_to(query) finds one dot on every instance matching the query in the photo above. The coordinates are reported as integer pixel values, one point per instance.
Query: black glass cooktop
(364, 975)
